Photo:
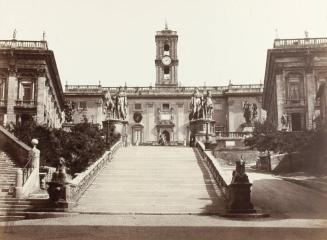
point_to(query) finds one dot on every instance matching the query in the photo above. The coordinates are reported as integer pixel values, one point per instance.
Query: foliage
(80, 147)
(265, 137)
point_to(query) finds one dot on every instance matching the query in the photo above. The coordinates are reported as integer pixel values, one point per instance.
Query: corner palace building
(165, 108)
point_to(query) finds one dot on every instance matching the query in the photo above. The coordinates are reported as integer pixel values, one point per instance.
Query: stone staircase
(7, 175)
(12, 208)
(153, 180)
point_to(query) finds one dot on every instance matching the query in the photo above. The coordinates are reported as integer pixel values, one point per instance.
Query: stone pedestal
(202, 130)
(115, 129)
(240, 198)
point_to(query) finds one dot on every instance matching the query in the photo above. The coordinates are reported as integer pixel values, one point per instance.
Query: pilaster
(12, 94)
(280, 96)
(310, 93)
(41, 79)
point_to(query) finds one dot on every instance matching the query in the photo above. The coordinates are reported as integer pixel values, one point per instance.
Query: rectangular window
(82, 105)
(165, 106)
(27, 92)
(138, 106)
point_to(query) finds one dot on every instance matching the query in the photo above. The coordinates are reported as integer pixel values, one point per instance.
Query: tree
(265, 137)
(80, 147)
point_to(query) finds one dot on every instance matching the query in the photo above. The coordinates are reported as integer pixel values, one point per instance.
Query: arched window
(166, 49)
(294, 88)
(166, 72)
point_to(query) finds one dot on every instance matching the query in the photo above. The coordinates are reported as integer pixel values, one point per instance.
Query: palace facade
(165, 108)
(295, 70)
(30, 87)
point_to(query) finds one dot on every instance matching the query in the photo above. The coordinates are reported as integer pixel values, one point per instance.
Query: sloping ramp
(153, 180)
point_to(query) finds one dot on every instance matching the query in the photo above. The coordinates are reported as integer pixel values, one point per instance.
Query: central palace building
(165, 108)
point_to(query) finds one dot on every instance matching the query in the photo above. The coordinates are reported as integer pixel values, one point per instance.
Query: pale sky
(112, 41)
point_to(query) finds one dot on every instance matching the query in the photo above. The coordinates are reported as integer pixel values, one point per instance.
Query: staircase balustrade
(214, 168)
(77, 186)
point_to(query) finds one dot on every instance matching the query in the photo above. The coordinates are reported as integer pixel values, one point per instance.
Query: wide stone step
(153, 180)
(12, 218)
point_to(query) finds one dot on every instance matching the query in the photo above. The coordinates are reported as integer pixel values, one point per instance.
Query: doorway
(167, 136)
(296, 122)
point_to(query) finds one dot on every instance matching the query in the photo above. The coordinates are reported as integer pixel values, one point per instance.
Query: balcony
(232, 135)
(301, 43)
(295, 102)
(30, 45)
(25, 103)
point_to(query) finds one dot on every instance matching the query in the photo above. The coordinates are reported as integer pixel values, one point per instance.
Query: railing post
(19, 183)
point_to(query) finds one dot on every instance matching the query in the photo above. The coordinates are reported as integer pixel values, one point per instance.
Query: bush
(265, 137)
(80, 147)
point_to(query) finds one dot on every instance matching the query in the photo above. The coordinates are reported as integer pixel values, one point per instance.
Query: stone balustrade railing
(215, 169)
(80, 183)
(26, 103)
(23, 44)
(232, 135)
(27, 177)
(188, 90)
(300, 43)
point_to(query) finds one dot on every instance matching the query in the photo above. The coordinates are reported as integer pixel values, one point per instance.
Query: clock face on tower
(166, 60)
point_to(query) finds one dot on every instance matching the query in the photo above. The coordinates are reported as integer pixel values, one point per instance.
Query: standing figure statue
(121, 104)
(207, 106)
(247, 112)
(196, 104)
(254, 112)
(109, 106)
(284, 121)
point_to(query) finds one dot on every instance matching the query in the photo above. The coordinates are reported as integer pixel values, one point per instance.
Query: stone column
(40, 99)
(280, 95)
(12, 95)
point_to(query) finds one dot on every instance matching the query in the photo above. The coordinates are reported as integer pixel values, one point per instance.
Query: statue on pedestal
(196, 105)
(247, 113)
(207, 106)
(109, 106)
(121, 104)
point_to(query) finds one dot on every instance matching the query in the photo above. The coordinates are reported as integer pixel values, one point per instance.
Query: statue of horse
(109, 106)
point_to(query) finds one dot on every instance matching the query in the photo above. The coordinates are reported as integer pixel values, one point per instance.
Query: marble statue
(247, 113)
(207, 106)
(121, 104)
(109, 106)
(196, 104)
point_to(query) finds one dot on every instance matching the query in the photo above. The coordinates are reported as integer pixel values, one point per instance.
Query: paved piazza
(153, 180)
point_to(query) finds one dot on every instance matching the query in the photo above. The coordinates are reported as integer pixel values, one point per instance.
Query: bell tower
(166, 61)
